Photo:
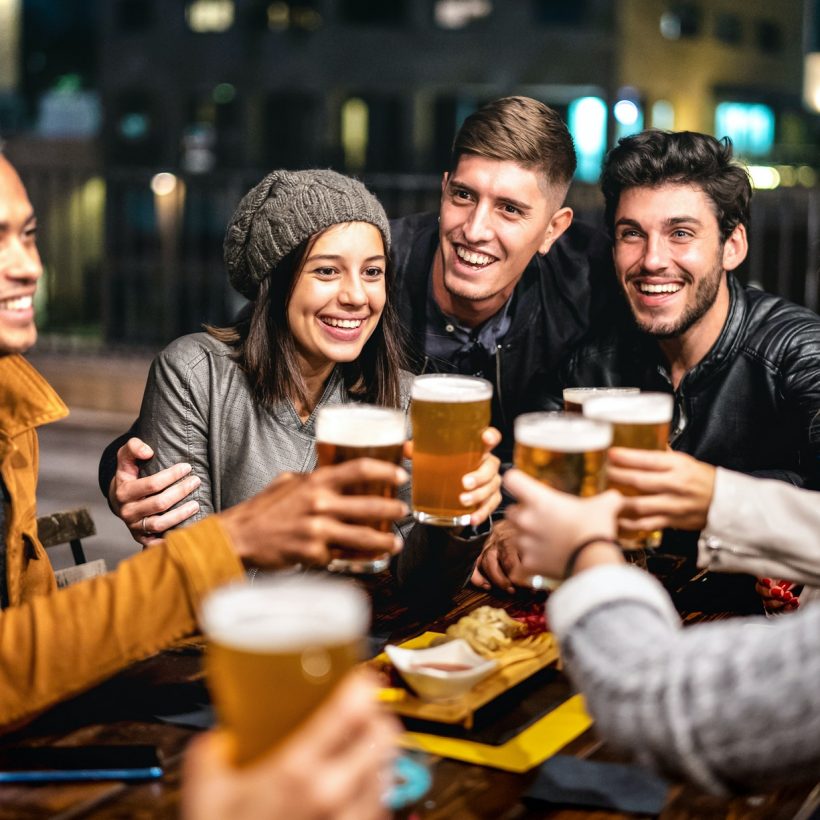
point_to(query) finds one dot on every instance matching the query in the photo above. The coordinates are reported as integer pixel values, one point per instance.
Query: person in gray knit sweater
(721, 704)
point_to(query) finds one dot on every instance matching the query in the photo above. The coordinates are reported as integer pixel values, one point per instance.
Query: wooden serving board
(515, 665)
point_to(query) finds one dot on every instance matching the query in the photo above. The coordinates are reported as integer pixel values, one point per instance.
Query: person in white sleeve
(721, 704)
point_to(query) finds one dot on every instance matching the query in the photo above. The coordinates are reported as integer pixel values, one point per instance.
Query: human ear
(735, 248)
(558, 223)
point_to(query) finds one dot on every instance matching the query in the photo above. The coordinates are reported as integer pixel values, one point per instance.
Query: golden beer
(449, 414)
(565, 451)
(574, 397)
(641, 422)
(349, 431)
(276, 650)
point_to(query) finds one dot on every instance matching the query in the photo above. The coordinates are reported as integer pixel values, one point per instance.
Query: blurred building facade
(199, 98)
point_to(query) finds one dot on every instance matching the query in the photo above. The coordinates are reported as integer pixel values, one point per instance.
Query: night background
(137, 124)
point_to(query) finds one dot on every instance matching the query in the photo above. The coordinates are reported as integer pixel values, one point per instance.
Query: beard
(706, 292)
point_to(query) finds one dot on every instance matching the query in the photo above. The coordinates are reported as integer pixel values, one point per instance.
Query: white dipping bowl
(438, 684)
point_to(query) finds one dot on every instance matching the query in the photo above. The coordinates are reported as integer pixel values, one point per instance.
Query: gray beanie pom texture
(285, 209)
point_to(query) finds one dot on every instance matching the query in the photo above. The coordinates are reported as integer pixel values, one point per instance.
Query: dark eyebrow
(671, 222)
(683, 220)
(336, 257)
(516, 203)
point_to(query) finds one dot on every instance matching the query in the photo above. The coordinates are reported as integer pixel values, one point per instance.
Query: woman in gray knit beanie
(288, 218)
(309, 249)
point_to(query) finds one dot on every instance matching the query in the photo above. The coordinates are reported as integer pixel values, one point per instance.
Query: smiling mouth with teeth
(20, 303)
(645, 287)
(348, 324)
(473, 258)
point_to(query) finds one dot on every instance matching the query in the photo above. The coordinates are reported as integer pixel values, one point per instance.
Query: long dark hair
(264, 347)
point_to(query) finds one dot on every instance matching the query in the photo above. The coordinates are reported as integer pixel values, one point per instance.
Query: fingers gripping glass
(349, 431)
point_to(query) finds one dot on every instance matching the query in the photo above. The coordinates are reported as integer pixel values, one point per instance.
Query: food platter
(516, 662)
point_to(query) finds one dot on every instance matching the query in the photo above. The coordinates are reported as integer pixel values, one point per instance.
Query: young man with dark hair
(743, 365)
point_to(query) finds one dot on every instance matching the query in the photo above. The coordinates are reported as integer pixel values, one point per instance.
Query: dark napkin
(506, 716)
(569, 781)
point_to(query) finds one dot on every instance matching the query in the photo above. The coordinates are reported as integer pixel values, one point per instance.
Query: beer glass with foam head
(276, 650)
(565, 451)
(640, 421)
(574, 397)
(449, 415)
(348, 431)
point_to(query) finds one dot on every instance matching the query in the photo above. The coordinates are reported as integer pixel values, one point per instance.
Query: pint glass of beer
(276, 650)
(348, 431)
(574, 397)
(640, 421)
(564, 451)
(449, 415)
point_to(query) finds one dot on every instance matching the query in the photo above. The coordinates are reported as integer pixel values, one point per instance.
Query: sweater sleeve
(763, 527)
(175, 417)
(722, 704)
(55, 646)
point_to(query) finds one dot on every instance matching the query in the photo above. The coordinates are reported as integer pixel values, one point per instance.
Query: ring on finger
(143, 527)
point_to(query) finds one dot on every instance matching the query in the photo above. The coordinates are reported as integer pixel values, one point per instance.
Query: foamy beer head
(276, 650)
(564, 450)
(574, 397)
(348, 431)
(640, 420)
(449, 414)
(363, 426)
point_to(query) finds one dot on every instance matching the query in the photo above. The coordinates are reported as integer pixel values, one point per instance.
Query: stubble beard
(706, 293)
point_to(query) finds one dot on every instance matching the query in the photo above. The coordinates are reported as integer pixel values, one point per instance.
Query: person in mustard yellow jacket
(54, 644)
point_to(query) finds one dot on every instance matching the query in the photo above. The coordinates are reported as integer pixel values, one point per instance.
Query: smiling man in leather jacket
(743, 365)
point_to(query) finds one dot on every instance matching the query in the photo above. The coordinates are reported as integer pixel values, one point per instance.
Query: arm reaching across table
(722, 704)
(54, 646)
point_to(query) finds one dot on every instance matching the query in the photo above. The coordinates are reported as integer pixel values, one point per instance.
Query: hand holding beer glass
(449, 415)
(349, 431)
(638, 421)
(565, 451)
(276, 650)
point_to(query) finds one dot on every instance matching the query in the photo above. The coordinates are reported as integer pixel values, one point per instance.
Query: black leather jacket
(560, 296)
(752, 404)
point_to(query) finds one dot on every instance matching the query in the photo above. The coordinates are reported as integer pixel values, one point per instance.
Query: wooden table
(123, 710)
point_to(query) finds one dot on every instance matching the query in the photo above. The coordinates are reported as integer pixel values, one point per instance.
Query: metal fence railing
(134, 267)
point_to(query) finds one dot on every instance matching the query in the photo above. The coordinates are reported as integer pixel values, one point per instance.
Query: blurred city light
(224, 93)
(455, 14)
(133, 126)
(811, 81)
(355, 128)
(764, 177)
(586, 118)
(278, 16)
(210, 15)
(626, 112)
(663, 115)
(163, 183)
(750, 126)
(806, 176)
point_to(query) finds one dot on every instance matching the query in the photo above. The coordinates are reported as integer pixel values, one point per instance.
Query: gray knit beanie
(285, 209)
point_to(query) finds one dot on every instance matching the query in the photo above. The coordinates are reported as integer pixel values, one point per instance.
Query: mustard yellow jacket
(54, 644)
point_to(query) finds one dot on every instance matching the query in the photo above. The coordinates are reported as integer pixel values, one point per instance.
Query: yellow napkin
(533, 746)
